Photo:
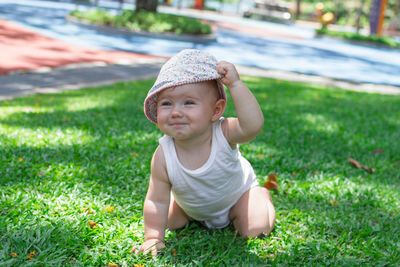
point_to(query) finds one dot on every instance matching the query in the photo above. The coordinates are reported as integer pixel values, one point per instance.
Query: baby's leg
(254, 213)
(177, 218)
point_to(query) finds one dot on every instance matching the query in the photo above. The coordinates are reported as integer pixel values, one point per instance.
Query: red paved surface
(21, 49)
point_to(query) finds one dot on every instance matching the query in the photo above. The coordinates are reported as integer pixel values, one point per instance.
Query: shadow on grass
(309, 133)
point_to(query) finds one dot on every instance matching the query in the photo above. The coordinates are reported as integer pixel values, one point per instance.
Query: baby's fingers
(135, 250)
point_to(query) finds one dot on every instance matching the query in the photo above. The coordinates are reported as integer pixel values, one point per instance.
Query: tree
(298, 10)
(358, 15)
(148, 5)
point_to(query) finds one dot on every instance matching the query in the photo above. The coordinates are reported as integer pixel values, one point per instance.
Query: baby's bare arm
(250, 120)
(156, 205)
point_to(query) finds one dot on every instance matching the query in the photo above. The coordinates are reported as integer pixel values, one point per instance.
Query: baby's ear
(219, 109)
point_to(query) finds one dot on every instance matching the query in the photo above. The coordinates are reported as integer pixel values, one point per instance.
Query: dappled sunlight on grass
(318, 122)
(43, 137)
(74, 171)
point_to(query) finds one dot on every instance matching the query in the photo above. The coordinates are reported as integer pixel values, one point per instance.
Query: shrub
(385, 40)
(145, 21)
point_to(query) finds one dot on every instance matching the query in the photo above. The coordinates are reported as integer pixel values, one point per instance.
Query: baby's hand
(229, 73)
(151, 245)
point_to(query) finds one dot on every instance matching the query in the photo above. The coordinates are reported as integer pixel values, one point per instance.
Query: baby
(197, 171)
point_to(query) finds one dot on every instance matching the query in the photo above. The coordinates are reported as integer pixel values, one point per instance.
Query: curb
(326, 81)
(202, 39)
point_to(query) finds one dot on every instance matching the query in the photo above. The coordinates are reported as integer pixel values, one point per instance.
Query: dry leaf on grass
(31, 255)
(354, 163)
(271, 183)
(92, 224)
(357, 165)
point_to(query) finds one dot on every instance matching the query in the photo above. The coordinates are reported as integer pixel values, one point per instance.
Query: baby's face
(186, 111)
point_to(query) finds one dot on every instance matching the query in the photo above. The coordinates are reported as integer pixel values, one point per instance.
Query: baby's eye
(189, 102)
(165, 103)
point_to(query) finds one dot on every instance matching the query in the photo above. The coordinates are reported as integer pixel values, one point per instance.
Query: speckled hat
(188, 66)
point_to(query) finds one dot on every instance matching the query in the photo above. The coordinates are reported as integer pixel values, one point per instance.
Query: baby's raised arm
(250, 120)
(156, 205)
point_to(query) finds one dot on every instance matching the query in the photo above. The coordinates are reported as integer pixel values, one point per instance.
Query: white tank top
(211, 190)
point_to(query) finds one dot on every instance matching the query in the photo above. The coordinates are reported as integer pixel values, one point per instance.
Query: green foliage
(145, 21)
(79, 156)
(384, 40)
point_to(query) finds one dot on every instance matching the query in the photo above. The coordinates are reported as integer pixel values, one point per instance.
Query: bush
(385, 40)
(145, 21)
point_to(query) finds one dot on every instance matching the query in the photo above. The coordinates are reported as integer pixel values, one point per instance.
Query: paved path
(32, 42)
(21, 49)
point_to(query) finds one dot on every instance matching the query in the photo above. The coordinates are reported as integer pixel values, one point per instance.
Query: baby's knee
(257, 228)
(260, 223)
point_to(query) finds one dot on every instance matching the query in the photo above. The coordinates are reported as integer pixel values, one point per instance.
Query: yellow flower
(20, 159)
(110, 208)
(14, 255)
(138, 265)
(87, 210)
(31, 255)
(112, 264)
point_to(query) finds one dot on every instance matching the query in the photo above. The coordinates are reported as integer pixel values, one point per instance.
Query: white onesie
(208, 193)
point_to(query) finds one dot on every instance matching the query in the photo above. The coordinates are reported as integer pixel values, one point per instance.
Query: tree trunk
(358, 15)
(298, 9)
(148, 5)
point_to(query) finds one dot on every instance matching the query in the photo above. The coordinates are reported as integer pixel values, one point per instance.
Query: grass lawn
(74, 171)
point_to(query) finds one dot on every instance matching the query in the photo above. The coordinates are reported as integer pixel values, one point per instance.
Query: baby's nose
(176, 111)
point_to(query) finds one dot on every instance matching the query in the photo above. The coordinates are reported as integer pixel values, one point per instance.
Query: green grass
(145, 21)
(352, 36)
(79, 156)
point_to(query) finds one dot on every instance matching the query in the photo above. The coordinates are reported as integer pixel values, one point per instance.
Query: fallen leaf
(333, 202)
(92, 224)
(112, 264)
(368, 169)
(134, 154)
(14, 255)
(173, 252)
(378, 151)
(354, 163)
(271, 183)
(31, 255)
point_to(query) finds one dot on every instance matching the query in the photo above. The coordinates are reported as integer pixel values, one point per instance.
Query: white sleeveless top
(210, 191)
